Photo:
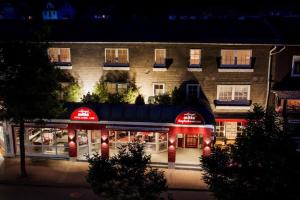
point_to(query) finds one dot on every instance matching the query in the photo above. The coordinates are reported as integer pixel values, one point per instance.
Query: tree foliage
(101, 94)
(126, 175)
(29, 86)
(262, 164)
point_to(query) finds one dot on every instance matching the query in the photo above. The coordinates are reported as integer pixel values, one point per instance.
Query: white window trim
(191, 84)
(194, 69)
(165, 54)
(157, 83)
(235, 70)
(233, 91)
(116, 52)
(292, 73)
(235, 57)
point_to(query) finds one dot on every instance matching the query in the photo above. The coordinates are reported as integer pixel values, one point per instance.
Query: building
(227, 71)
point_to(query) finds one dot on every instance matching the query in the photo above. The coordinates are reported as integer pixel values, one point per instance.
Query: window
(296, 66)
(49, 141)
(60, 57)
(116, 87)
(195, 57)
(235, 58)
(158, 88)
(160, 56)
(116, 56)
(220, 129)
(233, 92)
(192, 90)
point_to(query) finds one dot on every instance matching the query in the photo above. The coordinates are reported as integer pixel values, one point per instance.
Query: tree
(126, 175)
(29, 86)
(262, 164)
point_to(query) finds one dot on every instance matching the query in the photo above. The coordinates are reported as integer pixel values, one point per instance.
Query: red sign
(84, 114)
(190, 117)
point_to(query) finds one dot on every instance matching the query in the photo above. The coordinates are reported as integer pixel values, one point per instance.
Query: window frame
(235, 67)
(59, 63)
(233, 91)
(293, 66)
(233, 104)
(155, 57)
(158, 83)
(187, 90)
(195, 67)
(116, 65)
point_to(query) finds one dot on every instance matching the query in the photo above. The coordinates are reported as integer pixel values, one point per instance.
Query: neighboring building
(286, 89)
(226, 71)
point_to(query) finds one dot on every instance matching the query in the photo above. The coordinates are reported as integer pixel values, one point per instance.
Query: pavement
(66, 173)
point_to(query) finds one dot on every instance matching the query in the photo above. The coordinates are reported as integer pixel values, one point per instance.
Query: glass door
(95, 143)
(82, 144)
(191, 141)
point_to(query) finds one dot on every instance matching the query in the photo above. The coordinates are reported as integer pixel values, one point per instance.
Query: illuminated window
(240, 128)
(233, 92)
(158, 88)
(59, 55)
(192, 90)
(116, 87)
(296, 66)
(220, 129)
(236, 57)
(116, 56)
(195, 56)
(160, 56)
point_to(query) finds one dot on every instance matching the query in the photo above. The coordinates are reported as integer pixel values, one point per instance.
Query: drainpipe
(271, 53)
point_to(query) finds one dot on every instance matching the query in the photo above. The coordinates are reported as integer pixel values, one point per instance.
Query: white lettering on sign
(83, 113)
(189, 118)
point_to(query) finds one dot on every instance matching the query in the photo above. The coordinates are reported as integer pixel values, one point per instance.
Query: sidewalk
(64, 173)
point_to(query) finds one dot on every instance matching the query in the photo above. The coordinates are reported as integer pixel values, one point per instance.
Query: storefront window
(153, 141)
(220, 129)
(49, 141)
(2, 145)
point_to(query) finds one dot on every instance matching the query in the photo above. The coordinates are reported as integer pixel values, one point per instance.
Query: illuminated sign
(84, 114)
(190, 117)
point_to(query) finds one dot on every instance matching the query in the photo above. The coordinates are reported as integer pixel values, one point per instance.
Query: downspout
(271, 53)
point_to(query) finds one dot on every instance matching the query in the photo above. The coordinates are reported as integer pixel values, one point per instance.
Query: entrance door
(88, 142)
(180, 140)
(191, 141)
(82, 144)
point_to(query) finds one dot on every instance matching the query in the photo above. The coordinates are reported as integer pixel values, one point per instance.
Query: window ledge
(63, 66)
(116, 66)
(194, 68)
(235, 69)
(159, 69)
(242, 105)
(233, 107)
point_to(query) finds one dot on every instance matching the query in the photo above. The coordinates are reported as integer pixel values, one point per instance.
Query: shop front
(100, 130)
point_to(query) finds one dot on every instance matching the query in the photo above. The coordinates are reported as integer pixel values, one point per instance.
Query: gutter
(271, 53)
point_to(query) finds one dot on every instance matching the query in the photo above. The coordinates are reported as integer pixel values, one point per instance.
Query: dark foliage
(29, 86)
(126, 175)
(262, 164)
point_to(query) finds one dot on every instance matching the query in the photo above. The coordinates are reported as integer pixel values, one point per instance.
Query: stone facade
(88, 61)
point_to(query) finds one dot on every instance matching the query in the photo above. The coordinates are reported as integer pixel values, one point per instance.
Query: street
(21, 192)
